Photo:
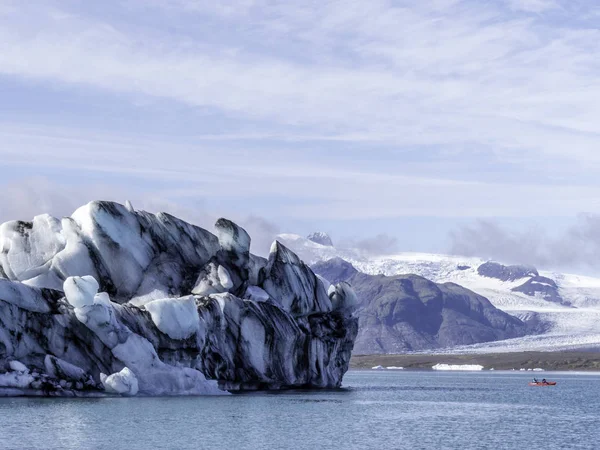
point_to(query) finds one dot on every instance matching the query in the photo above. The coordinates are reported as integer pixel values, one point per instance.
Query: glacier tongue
(124, 301)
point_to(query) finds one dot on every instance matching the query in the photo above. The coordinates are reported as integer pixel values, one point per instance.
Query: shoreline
(549, 361)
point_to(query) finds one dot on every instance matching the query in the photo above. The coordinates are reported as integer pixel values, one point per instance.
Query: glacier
(562, 310)
(114, 301)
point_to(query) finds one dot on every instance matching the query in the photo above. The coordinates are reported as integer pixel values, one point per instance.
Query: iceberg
(114, 301)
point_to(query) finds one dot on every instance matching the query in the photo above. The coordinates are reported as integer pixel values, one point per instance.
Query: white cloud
(450, 73)
(286, 182)
(31, 196)
(575, 248)
(448, 79)
(535, 6)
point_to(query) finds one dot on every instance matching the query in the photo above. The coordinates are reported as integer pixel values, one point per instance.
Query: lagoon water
(377, 409)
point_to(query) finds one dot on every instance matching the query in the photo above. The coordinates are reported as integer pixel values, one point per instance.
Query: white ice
(457, 367)
(23, 296)
(80, 291)
(224, 277)
(18, 366)
(256, 294)
(214, 280)
(124, 382)
(176, 317)
(138, 354)
(15, 380)
(343, 298)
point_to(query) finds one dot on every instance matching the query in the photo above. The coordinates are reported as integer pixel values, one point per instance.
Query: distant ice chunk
(176, 317)
(538, 369)
(80, 291)
(124, 382)
(458, 367)
(378, 368)
(394, 368)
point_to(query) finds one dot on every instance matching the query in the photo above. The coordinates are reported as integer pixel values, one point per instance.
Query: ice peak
(320, 237)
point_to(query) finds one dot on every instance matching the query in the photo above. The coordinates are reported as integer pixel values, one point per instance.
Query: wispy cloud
(576, 248)
(455, 72)
(294, 183)
(26, 198)
(536, 6)
(333, 110)
(380, 244)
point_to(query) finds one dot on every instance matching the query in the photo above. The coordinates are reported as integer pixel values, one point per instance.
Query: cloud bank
(577, 248)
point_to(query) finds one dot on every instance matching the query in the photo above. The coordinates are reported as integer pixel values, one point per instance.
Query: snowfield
(574, 327)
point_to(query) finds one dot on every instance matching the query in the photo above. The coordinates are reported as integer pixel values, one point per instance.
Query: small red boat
(543, 383)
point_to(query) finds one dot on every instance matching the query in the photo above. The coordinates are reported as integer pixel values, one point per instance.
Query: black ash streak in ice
(113, 300)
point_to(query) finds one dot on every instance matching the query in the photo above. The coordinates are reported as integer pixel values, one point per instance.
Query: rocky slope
(409, 313)
(122, 301)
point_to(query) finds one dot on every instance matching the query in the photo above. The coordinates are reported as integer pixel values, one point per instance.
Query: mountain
(113, 300)
(320, 238)
(562, 310)
(410, 313)
(535, 284)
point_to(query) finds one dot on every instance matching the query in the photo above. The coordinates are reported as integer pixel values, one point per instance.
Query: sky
(432, 125)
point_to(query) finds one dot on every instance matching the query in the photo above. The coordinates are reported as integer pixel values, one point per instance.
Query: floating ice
(378, 368)
(458, 367)
(394, 368)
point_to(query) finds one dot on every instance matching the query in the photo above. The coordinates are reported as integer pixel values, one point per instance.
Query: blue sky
(358, 118)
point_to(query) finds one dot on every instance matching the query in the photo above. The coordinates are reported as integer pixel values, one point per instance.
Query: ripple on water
(399, 410)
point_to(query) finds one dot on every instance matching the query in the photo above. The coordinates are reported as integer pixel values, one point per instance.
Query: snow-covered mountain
(321, 238)
(404, 313)
(563, 308)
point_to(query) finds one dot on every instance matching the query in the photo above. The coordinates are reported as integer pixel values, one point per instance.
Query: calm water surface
(375, 410)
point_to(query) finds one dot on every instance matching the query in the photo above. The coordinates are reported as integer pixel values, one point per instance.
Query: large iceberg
(117, 301)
